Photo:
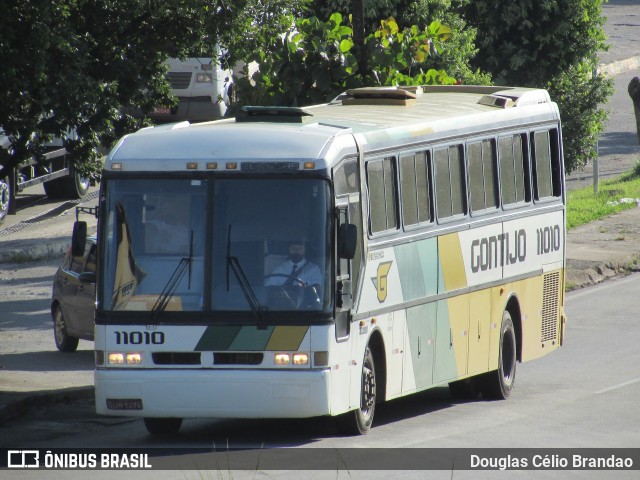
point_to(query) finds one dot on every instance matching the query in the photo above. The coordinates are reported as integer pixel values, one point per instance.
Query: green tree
(454, 56)
(86, 65)
(314, 61)
(548, 44)
(72, 65)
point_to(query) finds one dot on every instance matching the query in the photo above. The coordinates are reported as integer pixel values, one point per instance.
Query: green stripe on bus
(421, 325)
(217, 338)
(252, 339)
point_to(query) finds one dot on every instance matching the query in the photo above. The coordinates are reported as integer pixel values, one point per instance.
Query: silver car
(73, 298)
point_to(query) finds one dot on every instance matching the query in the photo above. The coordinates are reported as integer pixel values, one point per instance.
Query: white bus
(432, 225)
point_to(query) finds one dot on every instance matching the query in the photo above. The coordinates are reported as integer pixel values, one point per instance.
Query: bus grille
(176, 358)
(550, 306)
(179, 80)
(237, 358)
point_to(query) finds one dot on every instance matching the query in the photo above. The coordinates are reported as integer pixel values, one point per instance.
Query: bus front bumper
(213, 393)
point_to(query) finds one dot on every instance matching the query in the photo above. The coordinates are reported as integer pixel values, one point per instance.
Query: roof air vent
(496, 101)
(379, 96)
(272, 114)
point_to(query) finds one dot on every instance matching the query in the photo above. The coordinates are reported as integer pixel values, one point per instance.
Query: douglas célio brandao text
(550, 461)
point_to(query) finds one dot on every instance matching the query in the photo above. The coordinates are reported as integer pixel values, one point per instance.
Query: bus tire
(64, 342)
(5, 197)
(73, 186)
(358, 421)
(498, 384)
(162, 426)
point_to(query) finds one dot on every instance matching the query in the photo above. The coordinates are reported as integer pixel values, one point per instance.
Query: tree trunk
(357, 7)
(358, 22)
(634, 93)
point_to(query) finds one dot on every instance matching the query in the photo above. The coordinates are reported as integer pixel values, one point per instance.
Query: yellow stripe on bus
(452, 263)
(286, 338)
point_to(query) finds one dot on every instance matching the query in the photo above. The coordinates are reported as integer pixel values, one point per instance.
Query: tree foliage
(87, 65)
(549, 44)
(316, 60)
(580, 96)
(456, 53)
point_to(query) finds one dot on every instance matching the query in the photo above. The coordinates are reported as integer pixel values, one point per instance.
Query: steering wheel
(293, 277)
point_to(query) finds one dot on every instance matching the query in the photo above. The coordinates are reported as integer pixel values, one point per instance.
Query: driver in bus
(298, 271)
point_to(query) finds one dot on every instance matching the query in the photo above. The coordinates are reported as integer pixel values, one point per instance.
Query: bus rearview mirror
(78, 238)
(347, 240)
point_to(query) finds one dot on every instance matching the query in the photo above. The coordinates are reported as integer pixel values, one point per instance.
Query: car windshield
(222, 245)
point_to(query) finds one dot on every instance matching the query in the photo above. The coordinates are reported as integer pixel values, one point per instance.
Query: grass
(583, 206)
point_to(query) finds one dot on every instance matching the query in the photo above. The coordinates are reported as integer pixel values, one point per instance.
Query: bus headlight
(120, 358)
(300, 359)
(282, 359)
(115, 358)
(133, 358)
(297, 358)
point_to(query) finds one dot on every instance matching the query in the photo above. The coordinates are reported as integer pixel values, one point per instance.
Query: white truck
(56, 172)
(203, 89)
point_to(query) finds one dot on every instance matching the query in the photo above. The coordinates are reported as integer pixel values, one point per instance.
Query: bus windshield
(220, 245)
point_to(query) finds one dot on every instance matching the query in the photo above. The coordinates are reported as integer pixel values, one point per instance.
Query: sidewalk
(595, 252)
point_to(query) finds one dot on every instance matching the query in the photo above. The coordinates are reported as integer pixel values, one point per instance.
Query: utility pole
(596, 171)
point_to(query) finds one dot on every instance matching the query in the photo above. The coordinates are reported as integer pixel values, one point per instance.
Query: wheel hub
(368, 388)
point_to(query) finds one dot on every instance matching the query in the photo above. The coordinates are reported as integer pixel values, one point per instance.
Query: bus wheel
(5, 197)
(162, 426)
(499, 383)
(358, 422)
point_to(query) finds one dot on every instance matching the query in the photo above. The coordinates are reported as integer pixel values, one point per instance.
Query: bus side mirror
(347, 240)
(78, 238)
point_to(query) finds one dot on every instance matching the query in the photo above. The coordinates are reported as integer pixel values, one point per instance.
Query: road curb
(17, 408)
(16, 251)
(614, 68)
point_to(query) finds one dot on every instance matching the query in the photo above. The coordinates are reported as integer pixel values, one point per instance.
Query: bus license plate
(124, 403)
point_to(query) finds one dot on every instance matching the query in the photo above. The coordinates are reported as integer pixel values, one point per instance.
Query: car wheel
(5, 196)
(64, 342)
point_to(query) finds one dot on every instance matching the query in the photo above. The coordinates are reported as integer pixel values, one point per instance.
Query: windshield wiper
(169, 289)
(233, 264)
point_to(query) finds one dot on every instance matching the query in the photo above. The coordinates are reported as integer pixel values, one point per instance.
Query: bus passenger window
(450, 181)
(482, 174)
(414, 178)
(547, 168)
(409, 193)
(514, 172)
(490, 173)
(423, 188)
(382, 195)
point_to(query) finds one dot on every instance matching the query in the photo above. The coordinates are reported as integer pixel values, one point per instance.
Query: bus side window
(547, 165)
(450, 181)
(346, 178)
(483, 173)
(382, 195)
(514, 171)
(415, 193)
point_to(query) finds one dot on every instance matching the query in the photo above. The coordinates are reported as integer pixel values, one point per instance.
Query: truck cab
(202, 87)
